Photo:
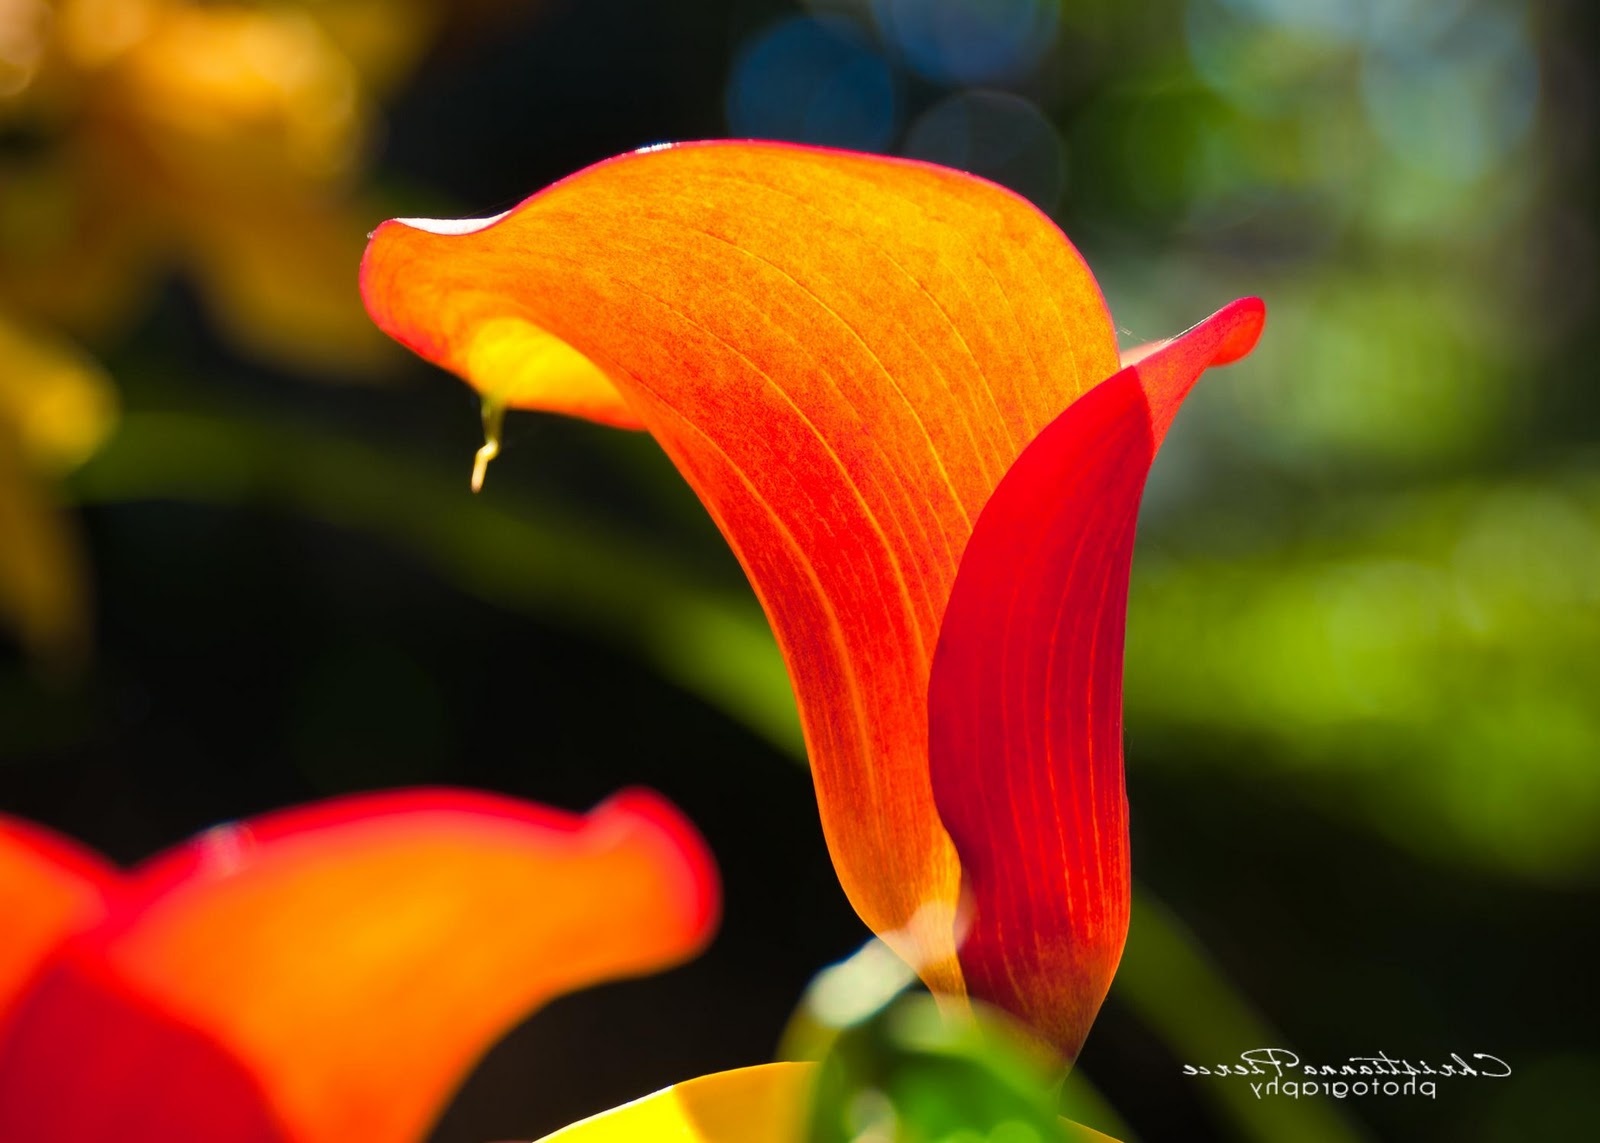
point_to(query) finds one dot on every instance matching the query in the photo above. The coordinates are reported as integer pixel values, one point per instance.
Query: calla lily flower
(897, 390)
(322, 974)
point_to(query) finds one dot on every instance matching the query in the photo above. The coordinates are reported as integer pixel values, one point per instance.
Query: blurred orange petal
(49, 888)
(843, 354)
(331, 973)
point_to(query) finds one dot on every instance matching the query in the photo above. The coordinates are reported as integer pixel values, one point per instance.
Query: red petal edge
(1025, 699)
(49, 888)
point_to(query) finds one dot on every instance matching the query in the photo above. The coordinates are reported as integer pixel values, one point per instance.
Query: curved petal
(764, 1104)
(842, 354)
(1025, 703)
(330, 973)
(49, 889)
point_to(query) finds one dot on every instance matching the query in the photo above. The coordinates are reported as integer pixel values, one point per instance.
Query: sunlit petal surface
(1026, 694)
(843, 355)
(331, 973)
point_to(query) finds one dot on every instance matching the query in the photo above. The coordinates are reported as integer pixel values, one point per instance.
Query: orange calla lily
(324, 973)
(897, 390)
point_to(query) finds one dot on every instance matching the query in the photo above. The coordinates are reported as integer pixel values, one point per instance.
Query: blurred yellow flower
(56, 406)
(220, 141)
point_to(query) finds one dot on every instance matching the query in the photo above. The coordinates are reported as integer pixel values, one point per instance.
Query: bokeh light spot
(1459, 107)
(1341, 19)
(969, 41)
(812, 81)
(999, 136)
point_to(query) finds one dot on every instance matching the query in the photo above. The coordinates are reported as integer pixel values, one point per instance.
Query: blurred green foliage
(1424, 661)
(1372, 578)
(896, 1067)
(908, 1075)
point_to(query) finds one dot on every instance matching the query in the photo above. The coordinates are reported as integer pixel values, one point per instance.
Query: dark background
(1363, 757)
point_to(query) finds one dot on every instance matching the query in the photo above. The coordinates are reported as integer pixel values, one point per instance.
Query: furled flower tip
(324, 974)
(896, 388)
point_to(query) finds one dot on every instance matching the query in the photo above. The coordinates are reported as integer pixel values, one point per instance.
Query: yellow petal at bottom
(763, 1104)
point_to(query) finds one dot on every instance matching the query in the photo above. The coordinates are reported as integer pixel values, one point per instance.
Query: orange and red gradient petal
(1025, 706)
(49, 889)
(331, 973)
(843, 354)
